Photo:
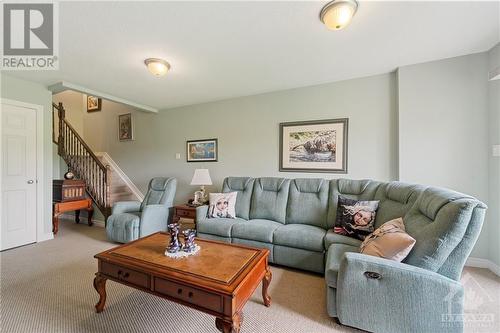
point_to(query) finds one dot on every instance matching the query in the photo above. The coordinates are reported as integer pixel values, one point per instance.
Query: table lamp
(201, 177)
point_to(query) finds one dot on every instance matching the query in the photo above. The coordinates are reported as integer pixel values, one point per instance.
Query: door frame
(41, 235)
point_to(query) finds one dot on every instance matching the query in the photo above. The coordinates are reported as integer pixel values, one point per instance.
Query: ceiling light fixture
(338, 13)
(157, 67)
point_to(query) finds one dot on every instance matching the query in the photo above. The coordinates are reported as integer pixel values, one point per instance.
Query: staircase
(82, 161)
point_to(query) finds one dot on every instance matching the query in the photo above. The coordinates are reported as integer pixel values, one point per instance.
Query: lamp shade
(201, 177)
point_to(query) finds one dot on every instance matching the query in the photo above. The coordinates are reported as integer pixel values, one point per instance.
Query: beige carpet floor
(47, 287)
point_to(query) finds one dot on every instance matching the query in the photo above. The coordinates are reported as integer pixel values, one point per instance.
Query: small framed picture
(93, 103)
(202, 150)
(125, 127)
(314, 146)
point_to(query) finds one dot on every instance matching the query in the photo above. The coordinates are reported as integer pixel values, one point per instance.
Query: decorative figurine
(174, 245)
(189, 245)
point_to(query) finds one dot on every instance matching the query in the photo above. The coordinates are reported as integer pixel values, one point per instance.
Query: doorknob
(30, 181)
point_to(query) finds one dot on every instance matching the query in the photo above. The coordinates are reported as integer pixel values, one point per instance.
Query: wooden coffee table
(218, 280)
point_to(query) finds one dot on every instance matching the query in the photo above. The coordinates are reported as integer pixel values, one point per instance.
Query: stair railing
(82, 161)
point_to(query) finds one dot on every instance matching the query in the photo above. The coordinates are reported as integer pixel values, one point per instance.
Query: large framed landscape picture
(314, 146)
(202, 150)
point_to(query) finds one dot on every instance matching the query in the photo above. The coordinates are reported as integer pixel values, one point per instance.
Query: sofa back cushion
(308, 202)
(161, 191)
(244, 187)
(269, 199)
(395, 200)
(349, 188)
(438, 221)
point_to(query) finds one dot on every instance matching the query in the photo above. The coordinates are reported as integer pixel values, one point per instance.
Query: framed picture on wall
(125, 127)
(314, 146)
(202, 150)
(93, 103)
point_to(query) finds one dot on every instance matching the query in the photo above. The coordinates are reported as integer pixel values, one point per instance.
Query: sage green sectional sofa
(293, 218)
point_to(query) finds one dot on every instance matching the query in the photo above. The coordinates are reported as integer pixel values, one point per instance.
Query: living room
(234, 103)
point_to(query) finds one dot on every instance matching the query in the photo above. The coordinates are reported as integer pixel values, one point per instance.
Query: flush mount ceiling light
(338, 13)
(157, 67)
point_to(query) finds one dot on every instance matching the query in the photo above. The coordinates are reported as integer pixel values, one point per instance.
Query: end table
(61, 207)
(186, 212)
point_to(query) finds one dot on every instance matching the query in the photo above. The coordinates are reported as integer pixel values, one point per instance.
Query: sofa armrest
(125, 207)
(154, 218)
(201, 213)
(418, 300)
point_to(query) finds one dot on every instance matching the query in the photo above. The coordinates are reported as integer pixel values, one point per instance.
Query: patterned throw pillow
(389, 241)
(222, 205)
(355, 218)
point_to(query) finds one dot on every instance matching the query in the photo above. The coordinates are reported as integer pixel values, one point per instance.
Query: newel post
(60, 140)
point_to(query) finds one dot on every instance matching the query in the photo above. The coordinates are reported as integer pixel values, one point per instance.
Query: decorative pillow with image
(389, 241)
(222, 205)
(355, 218)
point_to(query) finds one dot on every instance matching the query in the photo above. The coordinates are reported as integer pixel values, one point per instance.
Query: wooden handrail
(82, 161)
(87, 148)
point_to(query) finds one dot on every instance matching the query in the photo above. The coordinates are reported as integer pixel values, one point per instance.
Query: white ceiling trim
(64, 85)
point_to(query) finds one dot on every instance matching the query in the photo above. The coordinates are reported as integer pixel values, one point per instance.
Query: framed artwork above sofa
(314, 146)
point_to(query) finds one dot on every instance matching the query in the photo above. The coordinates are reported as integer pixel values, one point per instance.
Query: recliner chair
(130, 220)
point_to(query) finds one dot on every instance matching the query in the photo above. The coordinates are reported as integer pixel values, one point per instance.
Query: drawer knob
(120, 272)
(126, 275)
(179, 291)
(190, 295)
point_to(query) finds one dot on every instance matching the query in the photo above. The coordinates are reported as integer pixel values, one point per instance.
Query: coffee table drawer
(191, 295)
(125, 274)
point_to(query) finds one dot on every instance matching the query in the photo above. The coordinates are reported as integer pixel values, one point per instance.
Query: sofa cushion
(269, 199)
(222, 205)
(333, 238)
(333, 259)
(308, 202)
(123, 227)
(438, 221)
(244, 187)
(218, 226)
(355, 218)
(349, 188)
(395, 200)
(389, 241)
(160, 191)
(300, 236)
(256, 230)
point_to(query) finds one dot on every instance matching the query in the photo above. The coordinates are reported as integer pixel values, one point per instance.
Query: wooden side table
(61, 207)
(186, 212)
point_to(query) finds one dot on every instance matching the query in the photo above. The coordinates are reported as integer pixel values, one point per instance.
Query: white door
(19, 184)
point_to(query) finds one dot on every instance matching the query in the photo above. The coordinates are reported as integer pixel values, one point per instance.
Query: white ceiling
(220, 50)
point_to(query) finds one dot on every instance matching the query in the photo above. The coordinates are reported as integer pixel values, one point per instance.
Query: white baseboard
(138, 194)
(483, 263)
(45, 237)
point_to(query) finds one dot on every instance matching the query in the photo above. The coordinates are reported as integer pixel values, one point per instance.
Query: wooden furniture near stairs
(68, 206)
(217, 280)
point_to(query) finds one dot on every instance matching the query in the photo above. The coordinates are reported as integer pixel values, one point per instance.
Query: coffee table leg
(100, 287)
(230, 326)
(266, 281)
(77, 216)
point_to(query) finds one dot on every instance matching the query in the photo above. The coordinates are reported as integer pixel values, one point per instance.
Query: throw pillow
(355, 218)
(222, 205)
(389, 241)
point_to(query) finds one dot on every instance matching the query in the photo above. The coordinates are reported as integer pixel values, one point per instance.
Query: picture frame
(125, 127)
(93, 103)
(314, 146)
(202, 150)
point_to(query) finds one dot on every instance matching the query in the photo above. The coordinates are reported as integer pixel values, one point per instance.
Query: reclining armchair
(130, 220)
